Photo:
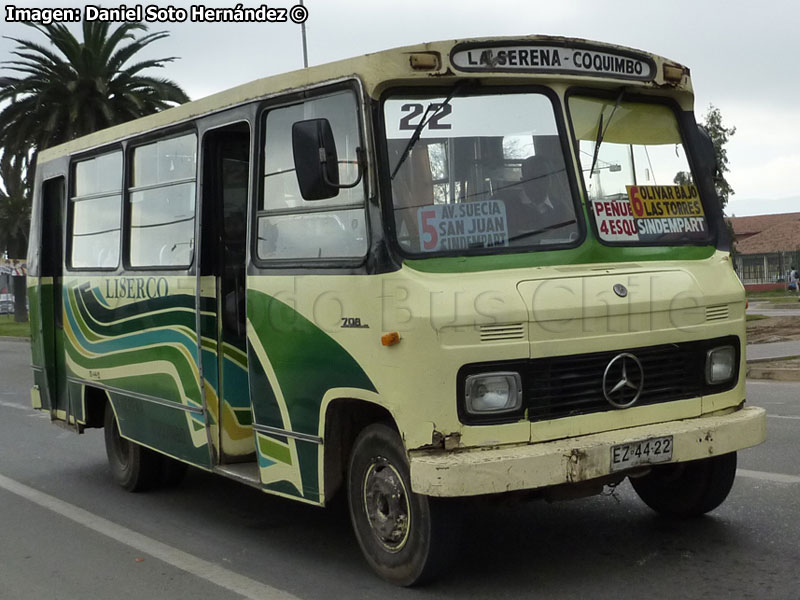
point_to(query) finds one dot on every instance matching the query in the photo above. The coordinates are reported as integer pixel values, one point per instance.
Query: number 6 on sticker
(636, 201)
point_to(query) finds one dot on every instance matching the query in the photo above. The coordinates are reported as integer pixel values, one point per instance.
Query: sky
(742, 56)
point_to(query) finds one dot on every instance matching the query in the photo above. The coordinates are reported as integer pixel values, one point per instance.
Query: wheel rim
(386, 504)
(121, 448)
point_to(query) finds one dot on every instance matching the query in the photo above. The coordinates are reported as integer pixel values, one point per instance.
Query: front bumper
(489, 471)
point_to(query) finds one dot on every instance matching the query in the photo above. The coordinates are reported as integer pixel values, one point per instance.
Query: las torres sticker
(652, 213)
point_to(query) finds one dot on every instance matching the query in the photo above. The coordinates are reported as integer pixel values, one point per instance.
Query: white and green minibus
(468, 268)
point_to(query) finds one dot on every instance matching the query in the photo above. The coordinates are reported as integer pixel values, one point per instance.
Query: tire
(406, 538)
(688, 489)
(134, 467)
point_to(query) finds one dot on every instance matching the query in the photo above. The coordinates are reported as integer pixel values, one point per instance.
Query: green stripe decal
(307, 361)
(273, 450)
(265, 404)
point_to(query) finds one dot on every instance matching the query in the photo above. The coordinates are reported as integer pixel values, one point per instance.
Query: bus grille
(566, 386)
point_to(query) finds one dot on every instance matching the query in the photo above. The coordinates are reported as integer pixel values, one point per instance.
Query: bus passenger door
(226, 173)
(48, 299)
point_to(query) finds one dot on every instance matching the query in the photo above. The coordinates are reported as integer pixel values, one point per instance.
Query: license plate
(646, 452)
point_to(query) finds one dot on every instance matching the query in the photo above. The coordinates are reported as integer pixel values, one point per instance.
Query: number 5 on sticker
(427, 229)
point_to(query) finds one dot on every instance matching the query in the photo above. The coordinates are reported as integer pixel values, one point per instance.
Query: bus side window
(162, 199)
(290, 227)
(96, 212)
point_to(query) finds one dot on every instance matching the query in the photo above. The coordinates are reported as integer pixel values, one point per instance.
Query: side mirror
(316, 161)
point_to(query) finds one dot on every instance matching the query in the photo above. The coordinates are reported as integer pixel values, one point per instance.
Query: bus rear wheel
(134, 467)
(406, 538)
(688, 489)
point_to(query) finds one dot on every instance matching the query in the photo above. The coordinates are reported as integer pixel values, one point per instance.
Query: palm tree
(65, 91)
(80, 87)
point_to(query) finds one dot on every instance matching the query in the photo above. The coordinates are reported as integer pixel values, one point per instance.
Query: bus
(474, 268)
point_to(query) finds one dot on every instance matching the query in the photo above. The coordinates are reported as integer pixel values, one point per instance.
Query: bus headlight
(720, 364)
(496, 392)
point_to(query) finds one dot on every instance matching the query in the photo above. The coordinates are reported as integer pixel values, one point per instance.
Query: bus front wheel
(406, 538)
(133, 467)
(688, 489)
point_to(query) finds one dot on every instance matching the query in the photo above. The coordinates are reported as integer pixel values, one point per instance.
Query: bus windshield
(486, 173)
(636, 173)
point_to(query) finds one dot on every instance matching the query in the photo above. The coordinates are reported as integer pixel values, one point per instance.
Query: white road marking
(783, 417)
(216, 574)
(17, 406)
(36, 414)
(764, 476)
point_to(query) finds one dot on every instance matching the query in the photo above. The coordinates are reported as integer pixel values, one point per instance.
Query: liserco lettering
(137, 288)
(554, 59)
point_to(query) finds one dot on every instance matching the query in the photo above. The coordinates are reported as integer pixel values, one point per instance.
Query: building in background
(767, 246)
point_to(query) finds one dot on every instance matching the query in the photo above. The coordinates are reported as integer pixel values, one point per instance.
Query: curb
(755, 370)
(774, 374)
(755, 361)
(14, 339)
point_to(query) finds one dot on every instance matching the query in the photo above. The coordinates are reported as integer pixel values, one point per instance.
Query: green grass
(774, 296)
(756, 317)
(786, 300)
(771, 295)
(9, 328)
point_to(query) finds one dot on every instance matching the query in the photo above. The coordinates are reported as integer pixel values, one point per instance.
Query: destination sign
(614, 219)
(563, 59)
(652, 213)
(656, 201)
(667, 209)
(479, 224)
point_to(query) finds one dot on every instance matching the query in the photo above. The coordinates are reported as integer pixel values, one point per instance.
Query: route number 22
(415, 110)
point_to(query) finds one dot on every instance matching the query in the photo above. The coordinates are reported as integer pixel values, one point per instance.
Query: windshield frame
(472, 89)
(710, 206)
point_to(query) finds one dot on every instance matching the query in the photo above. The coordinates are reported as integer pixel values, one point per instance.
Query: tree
(80, 87)
(65, 91)
(15, 214)
(720, 135)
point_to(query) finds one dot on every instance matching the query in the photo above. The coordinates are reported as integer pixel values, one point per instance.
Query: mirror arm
(342, 186)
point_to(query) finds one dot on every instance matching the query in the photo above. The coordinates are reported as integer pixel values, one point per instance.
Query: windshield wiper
(424, 122)
(542, 230)
(601, 132)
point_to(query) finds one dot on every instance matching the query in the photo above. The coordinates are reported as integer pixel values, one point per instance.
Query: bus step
(242, 472)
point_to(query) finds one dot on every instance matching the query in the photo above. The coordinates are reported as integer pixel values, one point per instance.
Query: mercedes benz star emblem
(623, 380)
(620, 290)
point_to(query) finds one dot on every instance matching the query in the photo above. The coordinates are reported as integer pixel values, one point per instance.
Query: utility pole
(305, 47)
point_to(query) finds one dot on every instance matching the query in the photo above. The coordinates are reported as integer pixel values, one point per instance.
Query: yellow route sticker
(664, 201)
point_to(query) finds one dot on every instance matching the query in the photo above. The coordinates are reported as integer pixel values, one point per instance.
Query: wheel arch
(95, 401)
(344, 418)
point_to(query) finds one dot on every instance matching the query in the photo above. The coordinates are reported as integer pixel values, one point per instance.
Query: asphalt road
(774, 350)
(67, 532)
